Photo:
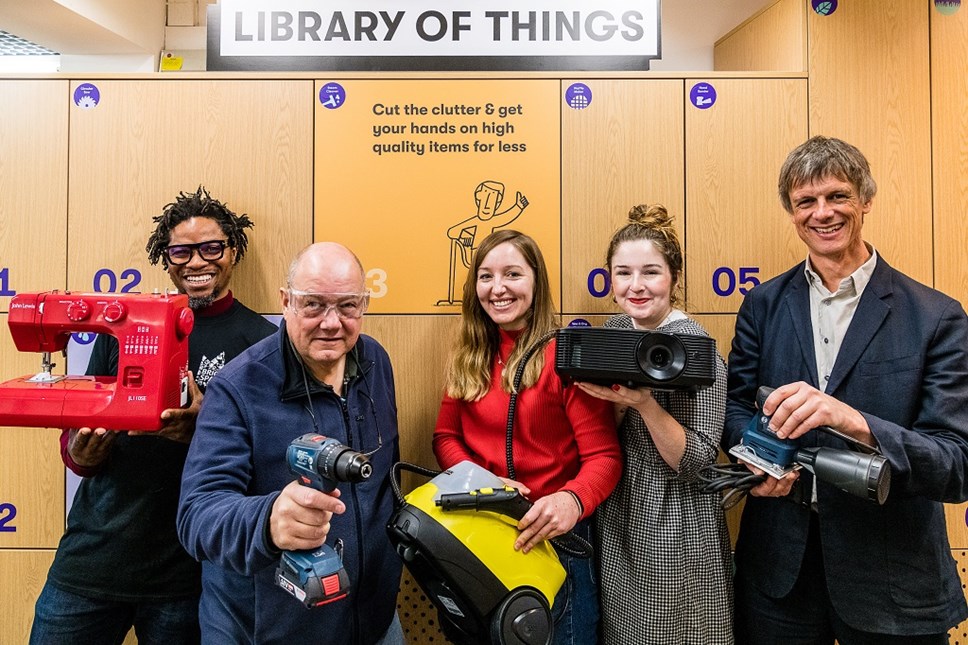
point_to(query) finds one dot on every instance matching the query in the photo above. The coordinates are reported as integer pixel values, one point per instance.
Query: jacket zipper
(350, 440)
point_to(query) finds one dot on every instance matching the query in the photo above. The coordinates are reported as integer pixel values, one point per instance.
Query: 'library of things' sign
(289, 35)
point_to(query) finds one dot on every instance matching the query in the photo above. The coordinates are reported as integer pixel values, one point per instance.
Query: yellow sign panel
(413, 175)
(170, 62)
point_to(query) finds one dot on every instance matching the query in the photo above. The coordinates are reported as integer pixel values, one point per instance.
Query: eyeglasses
(182, 253)
(348, 306)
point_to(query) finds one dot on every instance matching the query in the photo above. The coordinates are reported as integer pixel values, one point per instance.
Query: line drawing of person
(465, 236)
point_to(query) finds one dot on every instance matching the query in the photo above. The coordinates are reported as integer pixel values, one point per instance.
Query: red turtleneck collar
(507, 340)
(217, 308)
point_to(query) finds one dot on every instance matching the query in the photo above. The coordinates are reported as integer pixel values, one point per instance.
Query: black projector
(634, 358)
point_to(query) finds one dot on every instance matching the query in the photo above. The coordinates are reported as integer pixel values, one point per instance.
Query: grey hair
(820, 157)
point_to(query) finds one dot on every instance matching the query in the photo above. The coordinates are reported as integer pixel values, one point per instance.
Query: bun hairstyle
(655, 216)
(654, 224)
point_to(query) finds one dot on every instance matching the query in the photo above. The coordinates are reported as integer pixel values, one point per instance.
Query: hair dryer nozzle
(867, 476)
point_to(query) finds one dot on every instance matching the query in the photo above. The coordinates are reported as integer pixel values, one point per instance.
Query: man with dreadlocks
(119, 564)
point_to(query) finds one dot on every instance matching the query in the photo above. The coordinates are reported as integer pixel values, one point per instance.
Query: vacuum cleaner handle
(508, 501)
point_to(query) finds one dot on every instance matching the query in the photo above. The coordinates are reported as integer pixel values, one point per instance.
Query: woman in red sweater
(566, 454)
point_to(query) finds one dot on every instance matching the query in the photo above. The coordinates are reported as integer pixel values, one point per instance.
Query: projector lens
(661, 356)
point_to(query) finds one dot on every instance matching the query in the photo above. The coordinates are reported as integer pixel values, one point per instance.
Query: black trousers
(805, 616)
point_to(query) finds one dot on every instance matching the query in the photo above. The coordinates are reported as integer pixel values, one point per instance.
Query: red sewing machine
(152, 332)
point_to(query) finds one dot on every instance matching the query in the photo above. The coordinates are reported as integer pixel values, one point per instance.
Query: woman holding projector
(664, 548)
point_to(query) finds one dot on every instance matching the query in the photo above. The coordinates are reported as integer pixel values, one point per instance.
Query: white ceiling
(689, 28)
(91, 27)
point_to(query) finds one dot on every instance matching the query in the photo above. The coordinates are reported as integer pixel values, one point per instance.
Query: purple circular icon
(578, 96)
(83, 337)
(947, 7)
(702, 96)
(332, 95)
(579, 322)
(86, 96)
(824, 7)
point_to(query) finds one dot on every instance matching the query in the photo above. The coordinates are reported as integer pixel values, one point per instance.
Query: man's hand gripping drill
(316, 576)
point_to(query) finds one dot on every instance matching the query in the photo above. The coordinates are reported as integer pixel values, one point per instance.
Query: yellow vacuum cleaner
(456, 535)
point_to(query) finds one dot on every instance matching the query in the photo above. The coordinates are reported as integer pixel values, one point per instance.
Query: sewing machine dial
(78, 310)
(115, 312)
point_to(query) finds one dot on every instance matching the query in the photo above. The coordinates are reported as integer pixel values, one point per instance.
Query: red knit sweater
(564, 439)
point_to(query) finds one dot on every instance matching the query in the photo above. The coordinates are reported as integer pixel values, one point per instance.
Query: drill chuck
(352, 466)
(322, 462)
(340, 463)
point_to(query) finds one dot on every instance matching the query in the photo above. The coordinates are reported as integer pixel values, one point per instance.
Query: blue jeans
(65, 618)
(575, 611)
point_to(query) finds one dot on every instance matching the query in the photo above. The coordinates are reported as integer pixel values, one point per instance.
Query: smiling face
(330, 272)
(642, 282)
(505, 286)
(204, 281)
(828, 215)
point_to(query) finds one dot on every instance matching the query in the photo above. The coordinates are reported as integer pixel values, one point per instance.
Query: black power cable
(569, 543)
(413, 468)
(512, 405)
(735, 479)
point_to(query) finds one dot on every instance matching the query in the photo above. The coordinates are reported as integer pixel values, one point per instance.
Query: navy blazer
(903, 364)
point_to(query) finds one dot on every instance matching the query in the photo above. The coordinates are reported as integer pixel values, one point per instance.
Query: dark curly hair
(199, 204)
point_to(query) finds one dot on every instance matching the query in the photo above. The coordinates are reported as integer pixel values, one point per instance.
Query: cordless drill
(316, 577)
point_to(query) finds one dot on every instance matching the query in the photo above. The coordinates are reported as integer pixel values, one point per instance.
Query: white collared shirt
(831, 312)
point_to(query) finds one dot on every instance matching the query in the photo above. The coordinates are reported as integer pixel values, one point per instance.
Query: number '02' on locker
(152, 332)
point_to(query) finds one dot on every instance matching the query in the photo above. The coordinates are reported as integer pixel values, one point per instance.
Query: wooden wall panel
(869, 75)
(419, 348)
(720, 327)
(32, 484)
(949, 139)
(32, 481)
(33, 187)
(957, 520)
(734, 220)
(24, 574)
(772, 40)
(249, 142)
(958, 635)
(626, 148)
(31, 472)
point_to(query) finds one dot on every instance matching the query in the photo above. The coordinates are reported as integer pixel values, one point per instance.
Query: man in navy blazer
(851, 343)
